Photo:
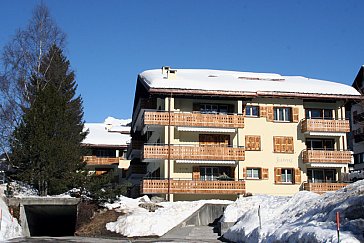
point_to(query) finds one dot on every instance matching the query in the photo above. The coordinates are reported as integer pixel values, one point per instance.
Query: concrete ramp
(202, 225)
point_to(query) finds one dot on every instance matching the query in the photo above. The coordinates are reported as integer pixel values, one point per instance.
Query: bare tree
(20, 59)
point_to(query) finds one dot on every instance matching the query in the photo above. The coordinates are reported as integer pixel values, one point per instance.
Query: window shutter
(196, 173)
(297, 176)
(252, 143)
(290, 148)
(244, 172)
(295, 116)
(277, 175)
(257, 142)
(244, 109)
(265, 174)
(270, 113)
(262, 111)
(277, 144)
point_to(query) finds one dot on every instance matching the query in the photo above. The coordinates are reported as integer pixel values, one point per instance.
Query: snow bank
(140, 222)
(305, 217)
(10, 227)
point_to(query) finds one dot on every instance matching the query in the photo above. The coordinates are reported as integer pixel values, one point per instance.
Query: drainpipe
(169, 147)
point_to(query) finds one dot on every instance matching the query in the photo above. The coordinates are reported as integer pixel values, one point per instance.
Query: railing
(93, 160)
(323, 187)
(194, 152)
(192, 187)
(321, 125)
(194, 119)
(326, 156)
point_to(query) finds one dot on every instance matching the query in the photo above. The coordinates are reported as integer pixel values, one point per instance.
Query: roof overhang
(239, 94)
(225, 162)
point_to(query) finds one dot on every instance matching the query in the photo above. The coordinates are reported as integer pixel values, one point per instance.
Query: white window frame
(250, 173)
(285, 176)
(282, 114)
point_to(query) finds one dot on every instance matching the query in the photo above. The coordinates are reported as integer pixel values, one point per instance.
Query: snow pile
(117, 122)
(21, 189)
(9, 227)
(305, 217)
(138, 221)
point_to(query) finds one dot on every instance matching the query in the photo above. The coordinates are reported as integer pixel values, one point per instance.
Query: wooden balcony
(192, 187)
(326, 156)
(320, 125)
(194, 152)
(321, 188)
(194, 119)
(93, 160)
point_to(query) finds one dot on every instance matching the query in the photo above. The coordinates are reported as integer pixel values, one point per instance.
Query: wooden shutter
(196, 173)
(270, 113)
(277, 175)
(295, 116)
(289, 145)
(277, 144)
(244, 109)
(297, 176)
(265, 174)
(252, 143)
(262, 111)
(244, 172)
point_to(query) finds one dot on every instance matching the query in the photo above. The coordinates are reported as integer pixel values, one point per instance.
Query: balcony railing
(193, 152)
(194, 119)
(93, 160)
(320, 125)
(326, 156)
(323, 187)
(192, 187)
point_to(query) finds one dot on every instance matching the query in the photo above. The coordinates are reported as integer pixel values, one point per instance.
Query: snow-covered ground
(140, 222)
(9, 227)
(305, 217)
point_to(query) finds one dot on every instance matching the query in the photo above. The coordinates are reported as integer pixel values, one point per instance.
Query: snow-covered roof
(113, 132)
(216, 80)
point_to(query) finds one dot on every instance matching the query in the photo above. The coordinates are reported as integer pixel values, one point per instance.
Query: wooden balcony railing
(192, 187)
(326, 156)
(185, 152)
(320, 125)
(93, 160)
(323, 187)
(194, 119)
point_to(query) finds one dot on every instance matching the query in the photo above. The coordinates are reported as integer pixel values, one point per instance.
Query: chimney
(165, 69)
(171, 74)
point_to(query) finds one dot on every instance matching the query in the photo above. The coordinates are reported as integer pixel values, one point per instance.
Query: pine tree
(47, 144)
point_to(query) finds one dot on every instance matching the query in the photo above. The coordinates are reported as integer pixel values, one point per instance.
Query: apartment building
(205, 134)
(357, 113)
(106, 146)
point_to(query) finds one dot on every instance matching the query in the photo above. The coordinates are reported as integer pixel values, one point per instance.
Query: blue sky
(110, 42)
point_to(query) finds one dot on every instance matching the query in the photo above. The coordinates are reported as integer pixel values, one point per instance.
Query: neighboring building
(107, 146)
(357, 123)
(217, 134)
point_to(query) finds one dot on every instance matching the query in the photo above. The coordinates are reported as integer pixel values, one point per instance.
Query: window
(209, 173)
(213, 108)
(252, 111)
(359, 158)
(320, 144)
(321, 175)
(104, 153)
(282, 114)
(253, 173)
(319, 114)
(286, 176)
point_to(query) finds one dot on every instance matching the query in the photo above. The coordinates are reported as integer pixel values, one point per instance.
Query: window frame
(251, 108)
(286, 176)
(280, 111)
(252, 177)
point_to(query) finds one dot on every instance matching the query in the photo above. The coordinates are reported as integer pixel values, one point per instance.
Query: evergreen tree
(47, 144)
